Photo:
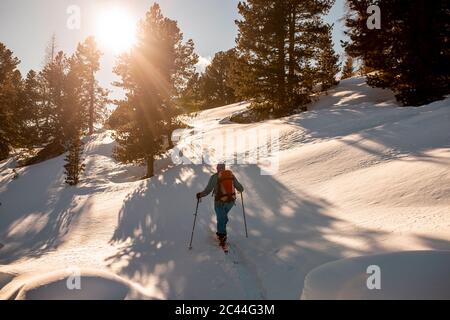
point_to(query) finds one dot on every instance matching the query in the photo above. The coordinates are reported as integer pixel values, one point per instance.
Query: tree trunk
(91, 106)
(150, 163)
(282, 57)
(281, 74)
(292, 23)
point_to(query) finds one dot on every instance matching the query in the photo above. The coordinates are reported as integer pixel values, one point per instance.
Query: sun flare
(116, 30)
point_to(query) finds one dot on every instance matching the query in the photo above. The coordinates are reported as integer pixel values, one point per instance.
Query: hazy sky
(27, 25)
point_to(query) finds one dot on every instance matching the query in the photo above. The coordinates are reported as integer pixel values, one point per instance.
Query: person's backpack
(225, 188)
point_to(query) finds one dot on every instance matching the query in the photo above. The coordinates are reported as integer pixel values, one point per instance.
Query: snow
(92, 285)
(355, 176)
(409, 275)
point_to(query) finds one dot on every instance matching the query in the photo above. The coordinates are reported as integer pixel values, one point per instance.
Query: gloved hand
(199, 196)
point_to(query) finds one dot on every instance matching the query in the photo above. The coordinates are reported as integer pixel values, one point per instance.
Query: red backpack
(225, 187)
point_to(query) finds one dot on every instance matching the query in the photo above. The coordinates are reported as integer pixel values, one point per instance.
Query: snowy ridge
(358, 175)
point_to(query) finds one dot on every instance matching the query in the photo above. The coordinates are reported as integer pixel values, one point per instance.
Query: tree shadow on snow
(289, 234)
(399, 131)
(38, 225)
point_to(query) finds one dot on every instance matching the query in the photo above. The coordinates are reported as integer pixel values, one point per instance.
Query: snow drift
(73, 284)
(403, 275)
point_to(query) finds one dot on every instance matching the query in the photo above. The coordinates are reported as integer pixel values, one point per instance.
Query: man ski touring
(223, 185)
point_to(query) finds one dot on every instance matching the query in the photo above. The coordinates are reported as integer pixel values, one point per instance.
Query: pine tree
(215, 88)
(261, 71)
(51, 50)
(348, 71)
(94, 98)
(47, 109)
(410, 52)
(276, 47)
(73, 117)
(45, 79)
(153, 74)
(74, 166)
(73, 112)
(191, 98)
(10, 87)
(64, 85)
(30, 110)
(61, 106)
(54, 76)
(328, 61)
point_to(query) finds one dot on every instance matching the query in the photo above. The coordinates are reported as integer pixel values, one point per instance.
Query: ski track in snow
(247, 275)
(240, 270)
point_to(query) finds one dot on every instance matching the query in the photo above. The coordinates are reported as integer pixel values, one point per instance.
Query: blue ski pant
(222, 210)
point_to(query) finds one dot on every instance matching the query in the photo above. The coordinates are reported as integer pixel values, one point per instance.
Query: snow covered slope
(356, 175)
(406, 275)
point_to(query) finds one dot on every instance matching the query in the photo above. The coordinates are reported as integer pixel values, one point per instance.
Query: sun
(116, 30)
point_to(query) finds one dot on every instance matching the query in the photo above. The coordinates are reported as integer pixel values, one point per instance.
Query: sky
(26, 27)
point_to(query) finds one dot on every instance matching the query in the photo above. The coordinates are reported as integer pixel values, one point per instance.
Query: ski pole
(243, 212)
(195, 219)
